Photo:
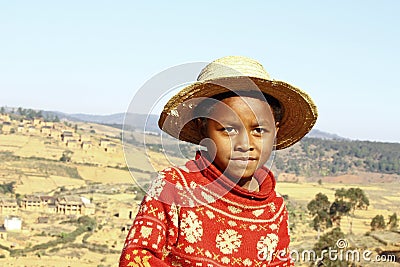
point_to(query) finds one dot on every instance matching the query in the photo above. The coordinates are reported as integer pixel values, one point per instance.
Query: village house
(69, 205)
(12, 223)
(31, 129)
(5, 118)
(104, 142)
(66, 136)
(49, 124)
(26, 122)
(8, 206)
(37, 121)
(7, 127)
(88, 207)
(31, 203)
(72, 143)
(46, 130)
(20, 128)
(49, 204)
(74, 205)
(86, 145)
(27, 125)
(84, 138)
(111, 148)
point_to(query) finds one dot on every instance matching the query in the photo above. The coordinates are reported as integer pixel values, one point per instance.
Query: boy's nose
(243, 142)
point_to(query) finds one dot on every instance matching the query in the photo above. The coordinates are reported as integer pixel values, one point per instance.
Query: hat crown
(233, 66)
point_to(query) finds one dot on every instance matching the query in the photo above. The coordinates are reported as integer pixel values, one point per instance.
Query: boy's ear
(276, 127)
(276, 133)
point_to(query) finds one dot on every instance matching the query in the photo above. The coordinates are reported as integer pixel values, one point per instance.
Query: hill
(313, 157)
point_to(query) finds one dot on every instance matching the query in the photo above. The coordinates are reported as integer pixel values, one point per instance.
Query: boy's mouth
(244, 159)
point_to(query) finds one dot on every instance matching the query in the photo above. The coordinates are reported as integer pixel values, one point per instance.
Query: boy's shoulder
(176, 174)
(172, 185)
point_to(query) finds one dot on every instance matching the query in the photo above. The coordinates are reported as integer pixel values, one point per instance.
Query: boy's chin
(240, 176)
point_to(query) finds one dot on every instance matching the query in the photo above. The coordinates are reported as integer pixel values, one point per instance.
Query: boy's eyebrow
(239, 122)
(263, 122)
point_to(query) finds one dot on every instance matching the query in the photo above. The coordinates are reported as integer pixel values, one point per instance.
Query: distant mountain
(314, 133)
(134, 121)
(117, 118)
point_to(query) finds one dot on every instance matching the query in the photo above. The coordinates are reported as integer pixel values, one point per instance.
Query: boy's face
(243, 132)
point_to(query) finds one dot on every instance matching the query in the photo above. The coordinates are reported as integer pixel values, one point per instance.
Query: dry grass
(104, 175)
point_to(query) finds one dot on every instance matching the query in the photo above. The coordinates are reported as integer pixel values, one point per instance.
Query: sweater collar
(263, 176)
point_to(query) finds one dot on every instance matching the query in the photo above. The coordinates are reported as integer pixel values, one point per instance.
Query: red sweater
(195, 216)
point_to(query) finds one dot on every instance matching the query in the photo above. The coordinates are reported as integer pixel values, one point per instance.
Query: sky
(93, 56)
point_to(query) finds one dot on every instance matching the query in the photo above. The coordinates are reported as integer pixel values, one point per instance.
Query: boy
(221, 209)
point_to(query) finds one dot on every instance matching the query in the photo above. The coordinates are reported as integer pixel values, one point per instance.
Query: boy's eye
(230, 130)
(260, 130)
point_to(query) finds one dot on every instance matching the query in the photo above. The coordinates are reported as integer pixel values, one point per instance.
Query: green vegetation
(42, 166)
(328, 242)
(7, 188)
(319, 209)
(378, 223)
(326, 213)
(7, 156)
(84, 223)
(317, 157)
(29, 113)
(66, 156)
(393, 223)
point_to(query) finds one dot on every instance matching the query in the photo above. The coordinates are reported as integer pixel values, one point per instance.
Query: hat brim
(299, 111)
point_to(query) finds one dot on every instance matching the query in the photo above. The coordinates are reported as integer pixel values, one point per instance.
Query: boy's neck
(251, 185)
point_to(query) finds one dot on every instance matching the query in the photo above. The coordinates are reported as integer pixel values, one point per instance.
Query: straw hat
(237, 73)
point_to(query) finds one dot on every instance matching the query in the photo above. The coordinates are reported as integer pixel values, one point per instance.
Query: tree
(66, 156)
(338, 209)
(393, 222)
(340, 193)
(352, 198)
(89, 223)
(6, 188)
(357, 198)
(378, 223)
(325, 243)
(319, 208)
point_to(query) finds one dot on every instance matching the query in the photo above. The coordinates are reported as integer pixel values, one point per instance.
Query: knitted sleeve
(285, 239)
(154, 230)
